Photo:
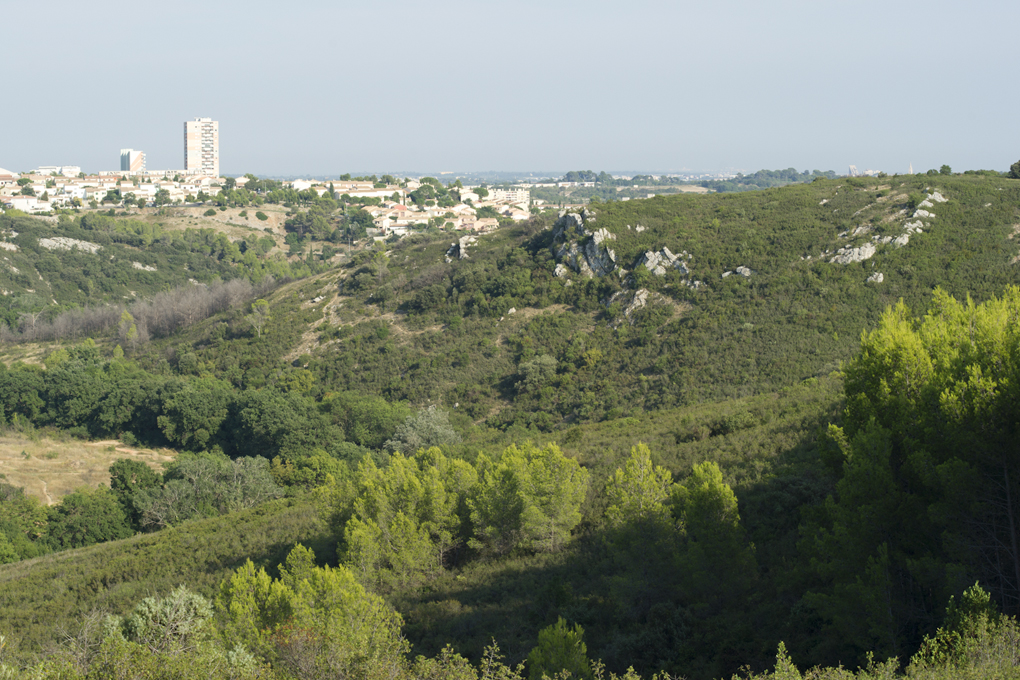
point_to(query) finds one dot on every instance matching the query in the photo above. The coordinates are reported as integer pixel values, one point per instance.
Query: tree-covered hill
(407, 324)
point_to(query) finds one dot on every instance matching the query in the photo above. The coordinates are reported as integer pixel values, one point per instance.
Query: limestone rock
(938, 198)
(65, 243)
(631, 302)
(846, 255)
(744, 271)
(561, 270)
(877, 277)
(659, 262)
(460, 248)
(923, 213)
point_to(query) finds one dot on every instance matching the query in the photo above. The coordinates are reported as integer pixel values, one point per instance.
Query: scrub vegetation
(418, 465)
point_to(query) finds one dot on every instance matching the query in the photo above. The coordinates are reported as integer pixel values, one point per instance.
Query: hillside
(714, 328)
(425, 330)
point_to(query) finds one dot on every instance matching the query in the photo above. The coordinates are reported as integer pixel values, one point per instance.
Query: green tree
(127, 478)
(530, 498)
(425, 429)
(945, 170)
(928, 489)
(87, 516)
(640, 491)
(175, 624)
(408, 516)
(717, 557)
(560, 648)
(320, 621)
(1014, 170)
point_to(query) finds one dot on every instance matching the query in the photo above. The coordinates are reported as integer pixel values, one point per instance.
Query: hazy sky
(310, 87)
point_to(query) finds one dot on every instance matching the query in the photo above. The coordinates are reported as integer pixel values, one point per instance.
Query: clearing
(51, 468)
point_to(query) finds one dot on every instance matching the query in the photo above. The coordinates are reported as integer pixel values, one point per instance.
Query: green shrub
(261, 216)
(209, 213)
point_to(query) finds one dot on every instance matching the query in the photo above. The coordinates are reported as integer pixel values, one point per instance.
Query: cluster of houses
(68, 187)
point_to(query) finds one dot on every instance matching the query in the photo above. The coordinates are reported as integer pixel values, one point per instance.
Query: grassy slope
(38, 597)
(49, 468)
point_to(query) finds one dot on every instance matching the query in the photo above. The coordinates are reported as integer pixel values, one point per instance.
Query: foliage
(428, 428)
(927, 495)
(560, 648)
(202, 486)
(528, 498)
(86, 517)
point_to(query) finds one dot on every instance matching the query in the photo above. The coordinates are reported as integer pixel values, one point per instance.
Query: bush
(261, 216)
(209, 213)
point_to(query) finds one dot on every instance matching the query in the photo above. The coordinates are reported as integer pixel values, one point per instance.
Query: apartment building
(202, 147)
(132, 161)
(510, 195)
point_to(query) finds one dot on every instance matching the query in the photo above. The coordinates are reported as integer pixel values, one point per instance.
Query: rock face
(631, 301)
(581, 248)
(846, 255)
(877, 277)
(65, 243)
(659, 262)
(460, 248)
(593, 258)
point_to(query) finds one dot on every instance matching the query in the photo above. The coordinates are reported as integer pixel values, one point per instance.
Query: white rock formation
(659, 262)
(877, 277)
(846, 255)
(65, 243)
(460, 248)
(143, 267)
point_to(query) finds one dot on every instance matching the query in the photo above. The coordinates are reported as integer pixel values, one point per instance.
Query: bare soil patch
(49, 468)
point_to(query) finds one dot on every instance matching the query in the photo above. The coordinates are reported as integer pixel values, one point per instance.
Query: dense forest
(788, 446)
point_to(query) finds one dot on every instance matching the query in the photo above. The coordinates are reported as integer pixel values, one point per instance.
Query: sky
(310, 88)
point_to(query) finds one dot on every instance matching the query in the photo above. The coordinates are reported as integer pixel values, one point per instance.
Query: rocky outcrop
(743, 271)
(459, 249)
(660, 262)
(846, 255)
(877, 277)
(630, 301)
(65, 243)
(594, 257)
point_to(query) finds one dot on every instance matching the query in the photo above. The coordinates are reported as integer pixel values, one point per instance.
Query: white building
(202, 147)
(510, 195)
(132, 161)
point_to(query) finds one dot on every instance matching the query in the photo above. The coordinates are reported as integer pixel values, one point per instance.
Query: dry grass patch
(50, 468)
